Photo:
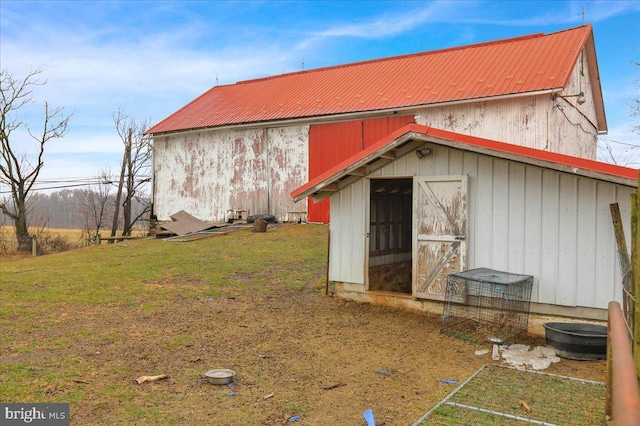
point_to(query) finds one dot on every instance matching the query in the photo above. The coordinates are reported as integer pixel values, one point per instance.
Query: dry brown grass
(50, 240)
(80, 327)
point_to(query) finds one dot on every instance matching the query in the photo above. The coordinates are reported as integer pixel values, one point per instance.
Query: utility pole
(116, 213)
(128, 199)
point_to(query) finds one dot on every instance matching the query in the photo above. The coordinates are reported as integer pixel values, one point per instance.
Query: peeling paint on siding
(207, 173)
(529, 121)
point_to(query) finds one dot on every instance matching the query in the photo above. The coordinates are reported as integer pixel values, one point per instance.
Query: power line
(73, 183)
(619, 143)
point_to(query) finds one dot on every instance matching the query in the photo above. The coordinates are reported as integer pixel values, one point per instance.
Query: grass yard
(80, 326)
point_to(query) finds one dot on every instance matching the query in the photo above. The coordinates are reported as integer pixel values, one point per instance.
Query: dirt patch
(295, 352)
(394, 277)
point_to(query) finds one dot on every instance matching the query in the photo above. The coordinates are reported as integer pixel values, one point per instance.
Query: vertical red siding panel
(377, 128)
(329, 145)
(332, 143)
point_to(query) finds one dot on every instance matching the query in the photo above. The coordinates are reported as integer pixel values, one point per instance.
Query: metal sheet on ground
(207, 233)
(183, 223)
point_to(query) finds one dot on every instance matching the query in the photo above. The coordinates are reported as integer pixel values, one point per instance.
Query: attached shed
(246, 146)
(422, 203)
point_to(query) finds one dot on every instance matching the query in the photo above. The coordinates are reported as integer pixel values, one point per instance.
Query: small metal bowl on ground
(220, 376)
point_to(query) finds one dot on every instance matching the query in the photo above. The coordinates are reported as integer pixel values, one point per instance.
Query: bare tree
(19, 171)
(135, 169)
(618, 153)
(94, 207)
(622, 153)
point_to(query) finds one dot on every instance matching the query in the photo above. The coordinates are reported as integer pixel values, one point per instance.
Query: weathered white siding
(522, 218)
(348, 235)
(210, 172)
(542, 122)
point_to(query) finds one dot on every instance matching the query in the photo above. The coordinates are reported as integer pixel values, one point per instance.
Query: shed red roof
(411, 136)
(532, 63)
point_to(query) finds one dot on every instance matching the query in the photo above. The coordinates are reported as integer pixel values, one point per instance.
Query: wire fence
(498, 395)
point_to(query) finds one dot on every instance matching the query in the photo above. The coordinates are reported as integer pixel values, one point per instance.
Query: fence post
(34, 246)
(635, 280)
(622, 394)
(98, 239)
(625, 262)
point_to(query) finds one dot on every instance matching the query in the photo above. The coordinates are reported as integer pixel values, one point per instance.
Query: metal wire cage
(483, 304)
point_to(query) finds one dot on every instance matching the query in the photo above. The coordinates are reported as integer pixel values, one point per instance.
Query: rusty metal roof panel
(519, 65)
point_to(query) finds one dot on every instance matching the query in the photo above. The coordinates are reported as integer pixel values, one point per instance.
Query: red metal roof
(376, 156)
(519, 65)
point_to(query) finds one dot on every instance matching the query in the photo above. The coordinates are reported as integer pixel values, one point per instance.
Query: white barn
(246, 146)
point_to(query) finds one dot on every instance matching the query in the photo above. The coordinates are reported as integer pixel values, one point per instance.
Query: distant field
(51, 240)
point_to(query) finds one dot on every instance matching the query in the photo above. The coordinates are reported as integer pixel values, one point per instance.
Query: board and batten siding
(522, 218)
(541, 122)
(209, 172)
(528, 121)
(348, 234)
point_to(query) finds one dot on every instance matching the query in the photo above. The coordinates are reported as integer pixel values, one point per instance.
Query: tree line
(20, 169)
(90, 210)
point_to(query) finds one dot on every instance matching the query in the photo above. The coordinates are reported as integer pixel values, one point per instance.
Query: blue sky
(152, 57)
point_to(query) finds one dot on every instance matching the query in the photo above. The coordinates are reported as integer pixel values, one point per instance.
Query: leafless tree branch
(137, 156)
(16, 171)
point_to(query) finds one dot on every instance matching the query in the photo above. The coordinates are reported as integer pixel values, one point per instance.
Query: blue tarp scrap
(368, 416)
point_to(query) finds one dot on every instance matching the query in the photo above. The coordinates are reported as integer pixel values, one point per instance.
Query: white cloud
(391, 24)
(98, 56)
(88, 142)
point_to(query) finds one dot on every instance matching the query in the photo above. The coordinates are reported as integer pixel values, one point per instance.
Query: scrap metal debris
(382, 371)
(183, 223)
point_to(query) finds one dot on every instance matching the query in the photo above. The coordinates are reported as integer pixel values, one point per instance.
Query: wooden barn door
(439, 233)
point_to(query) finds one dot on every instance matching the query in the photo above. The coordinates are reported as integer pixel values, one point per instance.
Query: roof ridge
(533, 63)
(407, 55)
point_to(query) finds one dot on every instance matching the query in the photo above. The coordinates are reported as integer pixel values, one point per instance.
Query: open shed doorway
(390, 222)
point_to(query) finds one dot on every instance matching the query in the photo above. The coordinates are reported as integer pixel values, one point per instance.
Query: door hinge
(460, 238)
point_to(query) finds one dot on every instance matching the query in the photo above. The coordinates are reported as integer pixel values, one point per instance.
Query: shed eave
(413, 136)
(552, 165)
(370, 162)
